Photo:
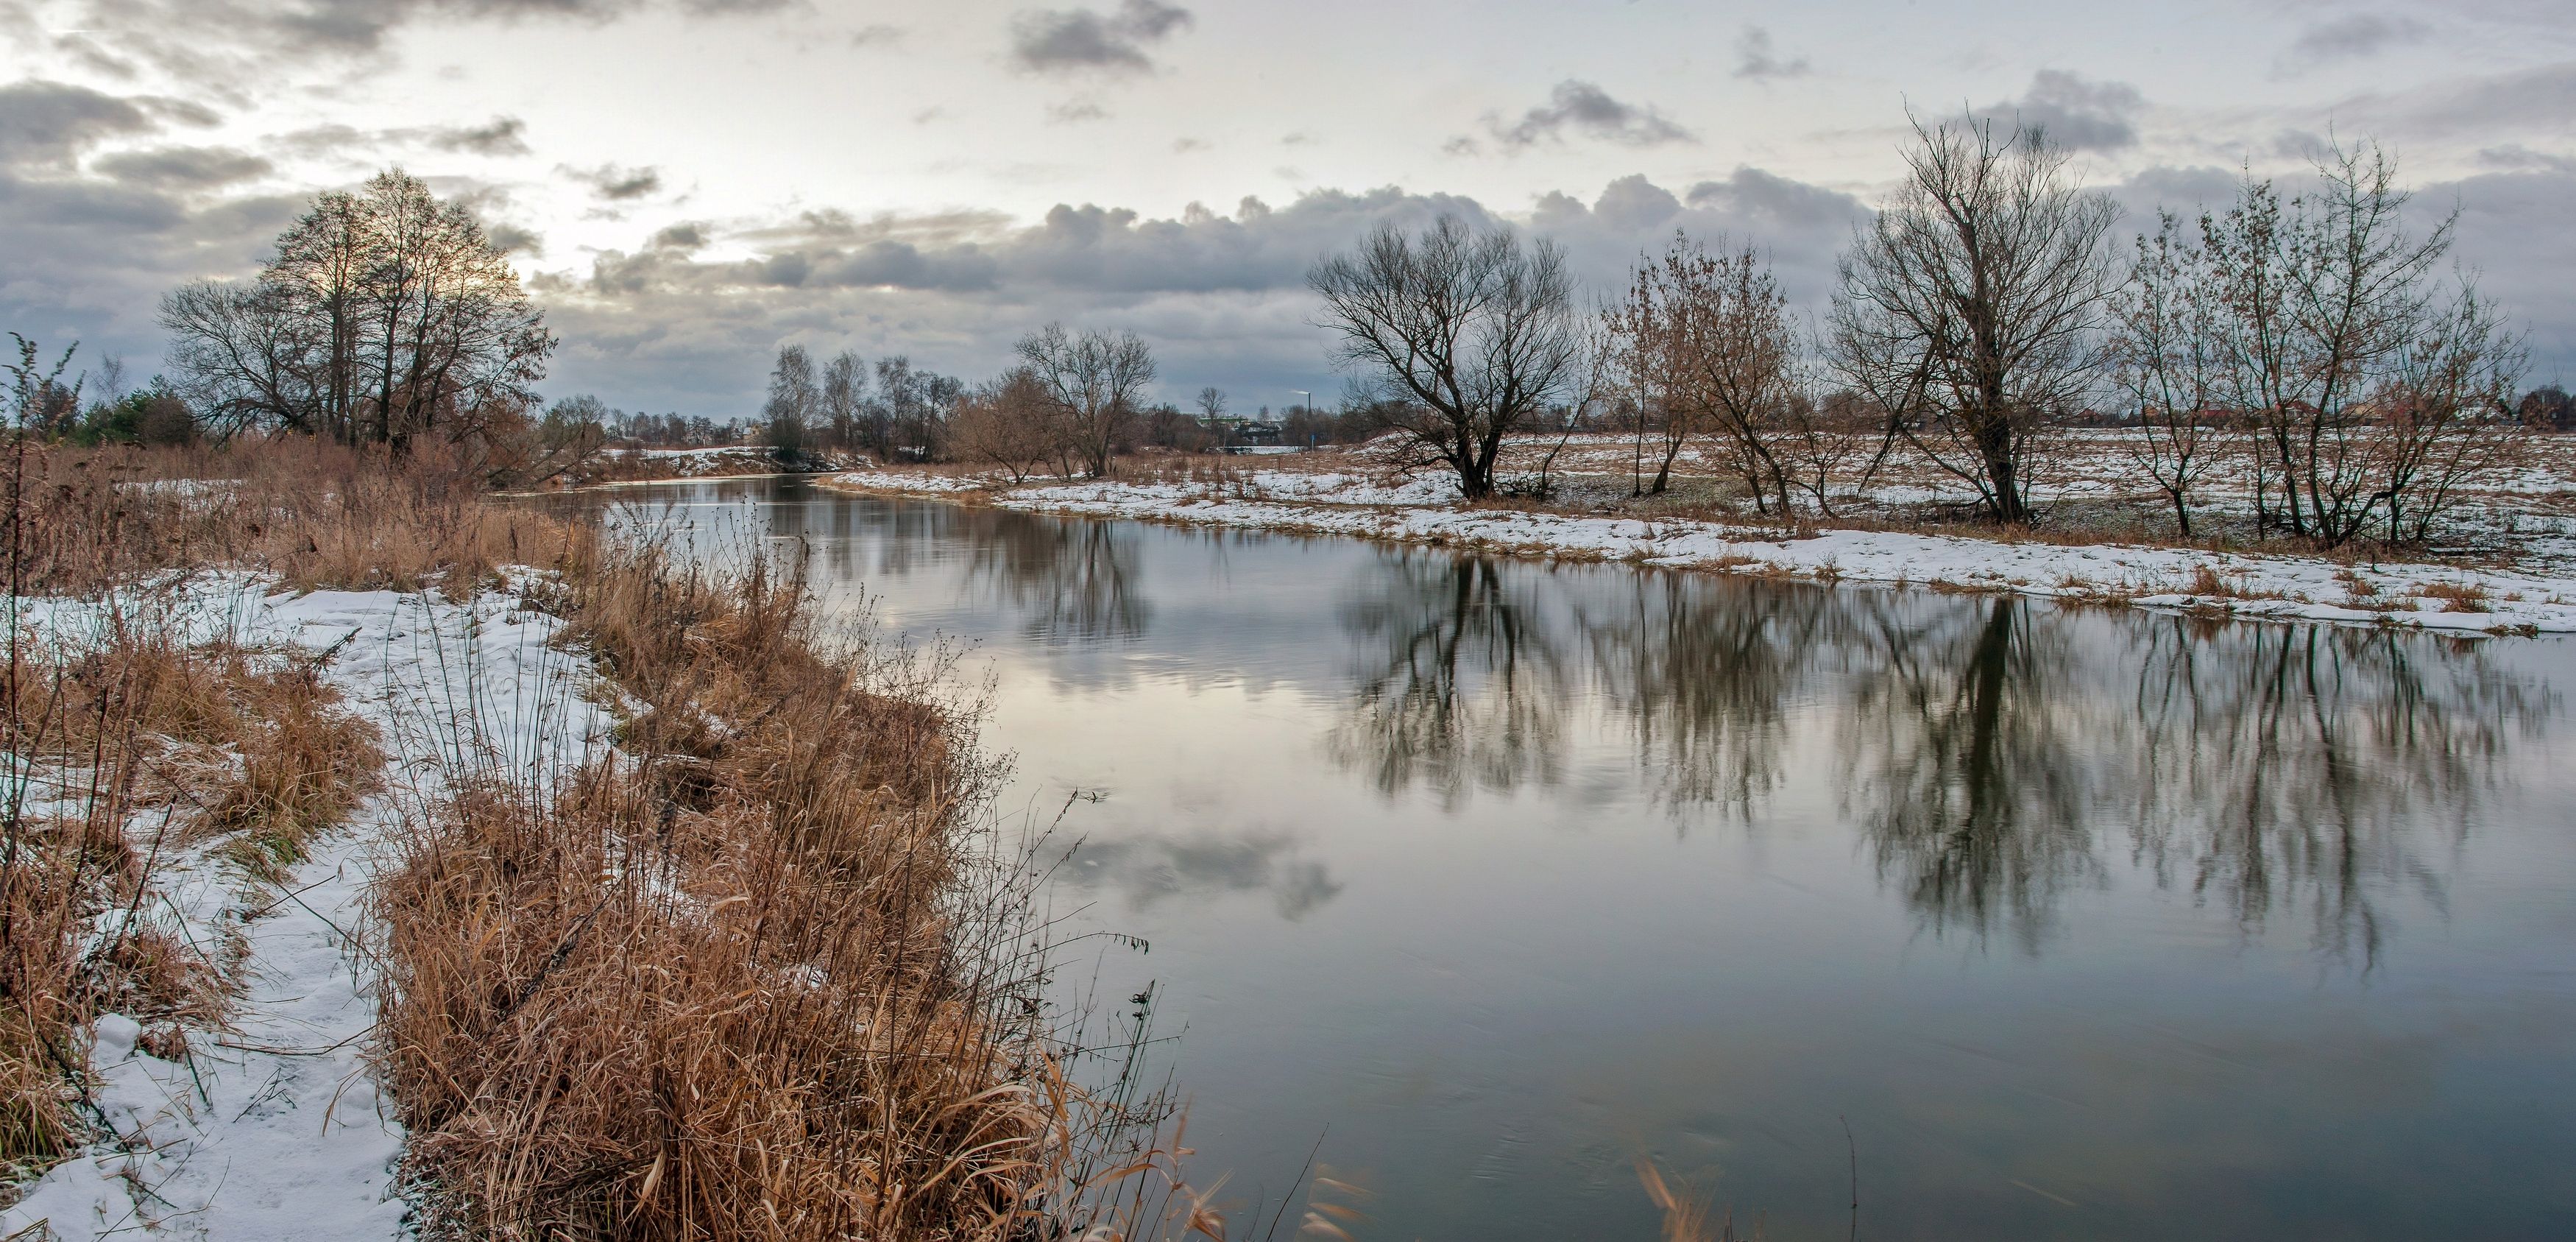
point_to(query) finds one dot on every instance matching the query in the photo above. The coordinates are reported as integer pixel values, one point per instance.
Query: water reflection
(1995, 754)
(1966, 776)
(1460, 682)
(1148, 869)
(2307, 768)
(1704, 673)
(1069, 580)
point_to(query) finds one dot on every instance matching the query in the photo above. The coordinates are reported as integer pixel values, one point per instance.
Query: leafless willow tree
(1458, 337)
(2167, 360)
(2378, 385)
(1970, 308)
(1096, 379)
(384, 314)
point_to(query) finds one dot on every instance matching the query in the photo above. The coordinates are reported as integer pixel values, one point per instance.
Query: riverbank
(636, 899)
(2460, 599)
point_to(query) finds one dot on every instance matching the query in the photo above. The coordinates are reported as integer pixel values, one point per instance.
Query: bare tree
(1970, 308)
(1459, 338)
(1712, 333)
(384, 314)
(2168, 358)
(1647, 334)
(842, 404)
(910, 413)
(1010, 423)
(793, 398)
(2343, 346)
(2446, 416)
(1211, 402)
(1095, 378)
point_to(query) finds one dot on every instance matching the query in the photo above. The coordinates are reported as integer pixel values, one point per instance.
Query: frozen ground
(274, 1128)
(2538, 593)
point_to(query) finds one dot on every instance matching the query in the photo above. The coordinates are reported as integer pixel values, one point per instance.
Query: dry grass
(313, 514)
(1688, 1216)
(135, 750)
(725, 985)
(2456, 596)
(747, 979)
(134, 747)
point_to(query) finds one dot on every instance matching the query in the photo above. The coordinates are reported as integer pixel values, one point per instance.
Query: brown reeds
(312, 514)
(132, 742)
(724, 984)
(129, 747)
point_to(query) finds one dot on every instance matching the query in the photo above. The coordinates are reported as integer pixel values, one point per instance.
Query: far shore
(2459, 599)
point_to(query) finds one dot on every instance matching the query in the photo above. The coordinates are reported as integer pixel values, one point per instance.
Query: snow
(276, 1129)
(2265, 586)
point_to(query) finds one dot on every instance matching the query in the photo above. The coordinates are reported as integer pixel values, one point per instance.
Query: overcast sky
(691, 183)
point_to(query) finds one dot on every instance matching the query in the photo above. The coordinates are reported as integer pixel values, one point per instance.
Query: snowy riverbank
(2457, 599)
(272, 1125)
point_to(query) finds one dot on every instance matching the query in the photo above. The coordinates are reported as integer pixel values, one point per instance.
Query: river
(1478, 880)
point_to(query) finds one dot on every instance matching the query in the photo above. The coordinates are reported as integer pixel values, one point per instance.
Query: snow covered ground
(274, 1128)
(1422, 510)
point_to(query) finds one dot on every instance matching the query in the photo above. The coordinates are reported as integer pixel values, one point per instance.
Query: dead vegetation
(314, 515)
(132, 753)
(750, 976)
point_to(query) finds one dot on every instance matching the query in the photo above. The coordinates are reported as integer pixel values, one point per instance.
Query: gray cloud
(513, 239)
(877, 35)
(686, 235)
(2346, 38)
(2541, 99)
(223, 43)
(1083, 41)
(614, 183)
(49, 122)
(183, 168)
(1588, 110)
(2078, 114)
(502, 135)
(1755, 60)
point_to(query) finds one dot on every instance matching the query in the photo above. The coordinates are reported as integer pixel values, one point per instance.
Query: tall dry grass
(313, 514)
(129, 751)
(750, 976)
(130, 742)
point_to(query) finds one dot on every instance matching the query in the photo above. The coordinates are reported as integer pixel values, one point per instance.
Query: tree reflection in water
(1703, 673)
(1073, 579)
(1460, 684)
(2313, 767)
(1964, 742)
(1995, 754)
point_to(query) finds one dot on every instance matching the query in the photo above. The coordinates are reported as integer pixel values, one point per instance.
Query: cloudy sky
(691, 183)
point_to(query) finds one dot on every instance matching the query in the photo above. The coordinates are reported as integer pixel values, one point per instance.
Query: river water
(1478, 880)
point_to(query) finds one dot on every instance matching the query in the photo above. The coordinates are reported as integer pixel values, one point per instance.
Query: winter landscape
(707, 619)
